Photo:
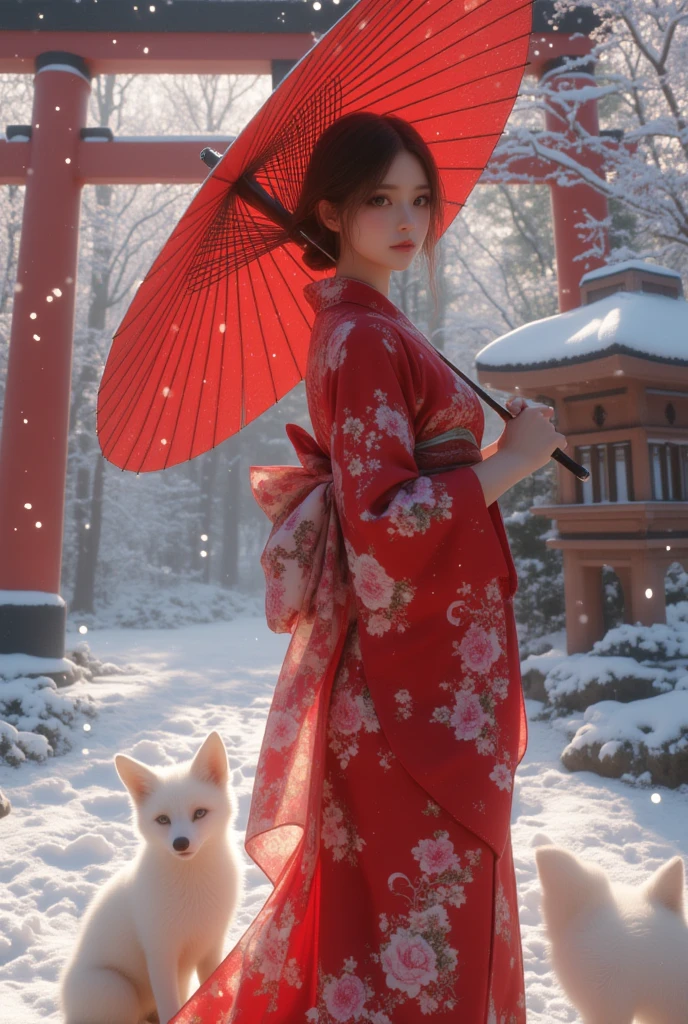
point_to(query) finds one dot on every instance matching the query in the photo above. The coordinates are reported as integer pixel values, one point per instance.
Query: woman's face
(398, 211)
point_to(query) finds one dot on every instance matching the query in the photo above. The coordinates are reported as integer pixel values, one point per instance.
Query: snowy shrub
(91, 666)
(648, 738)
(660, 642)
(677, 614)
(539, 599)
(584, 679)
(147, 607)
(676, 586)
(569, 683)
(37, 720)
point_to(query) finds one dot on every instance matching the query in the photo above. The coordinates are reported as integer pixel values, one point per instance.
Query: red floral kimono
(382, 799)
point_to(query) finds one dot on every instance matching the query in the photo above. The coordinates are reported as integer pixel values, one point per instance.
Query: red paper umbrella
(219, 329)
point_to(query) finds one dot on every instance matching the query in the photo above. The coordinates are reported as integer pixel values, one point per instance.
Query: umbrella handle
(256, 196)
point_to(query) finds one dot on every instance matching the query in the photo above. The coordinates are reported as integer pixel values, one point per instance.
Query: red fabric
(382, 798)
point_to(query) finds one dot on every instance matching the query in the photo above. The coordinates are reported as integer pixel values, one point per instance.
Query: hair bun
(313, 256)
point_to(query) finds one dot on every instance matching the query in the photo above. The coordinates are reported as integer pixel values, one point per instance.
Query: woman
(382, 798)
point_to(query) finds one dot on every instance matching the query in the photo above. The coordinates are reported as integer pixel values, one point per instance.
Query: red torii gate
(65, 45)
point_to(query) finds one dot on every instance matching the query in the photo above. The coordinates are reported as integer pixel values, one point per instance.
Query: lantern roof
(645, 322)
(615, 268)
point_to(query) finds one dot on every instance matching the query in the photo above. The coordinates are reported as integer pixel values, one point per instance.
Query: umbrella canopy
(219, 329)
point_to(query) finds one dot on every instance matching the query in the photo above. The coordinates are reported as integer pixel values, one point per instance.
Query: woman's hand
(515, 405)
(530, 434)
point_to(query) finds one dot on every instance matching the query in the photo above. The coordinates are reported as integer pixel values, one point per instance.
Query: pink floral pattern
(391, 882)
(339, 832)
(414, 953)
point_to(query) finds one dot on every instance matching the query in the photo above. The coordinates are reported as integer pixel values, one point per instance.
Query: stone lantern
(615, 370)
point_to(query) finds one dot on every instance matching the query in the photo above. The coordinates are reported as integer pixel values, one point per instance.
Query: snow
(70, 828)
(616, 268)
(657, 720)
(577, 671)
(207, 138)
(13, 665)
(62, 67)
(624, 318)
(30, 597)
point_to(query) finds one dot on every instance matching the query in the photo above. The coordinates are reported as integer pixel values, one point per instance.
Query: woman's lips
(404, 245)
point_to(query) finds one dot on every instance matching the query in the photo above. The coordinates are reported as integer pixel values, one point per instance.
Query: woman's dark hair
(349, 162)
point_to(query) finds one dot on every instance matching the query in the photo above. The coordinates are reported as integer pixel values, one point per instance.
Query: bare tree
(641, 55)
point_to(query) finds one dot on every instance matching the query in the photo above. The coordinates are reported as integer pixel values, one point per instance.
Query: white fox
(620, 951)
(166, 913)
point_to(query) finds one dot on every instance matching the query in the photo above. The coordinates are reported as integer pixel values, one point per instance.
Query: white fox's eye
(200, 813)
(160, 820)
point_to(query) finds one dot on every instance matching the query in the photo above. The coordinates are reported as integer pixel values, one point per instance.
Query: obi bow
(303, 560)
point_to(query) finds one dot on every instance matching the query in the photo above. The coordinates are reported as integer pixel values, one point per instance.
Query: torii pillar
(571, 203)
(33, 459)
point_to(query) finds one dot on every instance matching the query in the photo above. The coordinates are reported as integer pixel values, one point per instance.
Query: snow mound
(645, 738)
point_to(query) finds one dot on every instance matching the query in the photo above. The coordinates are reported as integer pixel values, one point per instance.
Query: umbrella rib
(127, 325)
(143, 376)
(224, 339)
(210, 208)
(368, 42)
(275, 264)
(355, 75)
(242, 419)
(313, 67)
(467, 138)
(218, 393)
(205, 368)
(262, 335)
(162, 303)
(459, 110)
(139, 353)
(275, 112)
(180, 403)
(356, 71)
(279, 270)
(442, 92)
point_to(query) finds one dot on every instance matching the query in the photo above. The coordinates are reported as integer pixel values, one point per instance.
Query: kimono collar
(331, 290)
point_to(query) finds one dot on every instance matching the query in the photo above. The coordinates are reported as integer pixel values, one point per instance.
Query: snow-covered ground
(70, 826)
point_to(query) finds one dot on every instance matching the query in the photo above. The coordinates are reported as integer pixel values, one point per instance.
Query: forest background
(183, 545)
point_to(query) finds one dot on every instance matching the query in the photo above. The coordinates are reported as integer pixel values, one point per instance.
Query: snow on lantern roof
(635, 323)
(616, 268)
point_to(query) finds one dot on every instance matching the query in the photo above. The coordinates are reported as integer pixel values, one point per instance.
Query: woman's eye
(384, 197)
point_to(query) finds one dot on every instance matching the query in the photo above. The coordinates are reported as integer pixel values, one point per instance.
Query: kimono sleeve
(411, 539)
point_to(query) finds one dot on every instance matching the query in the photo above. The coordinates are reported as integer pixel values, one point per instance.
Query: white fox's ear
(568, 884)
(665, 887)
(139, 779)
(210, 761)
